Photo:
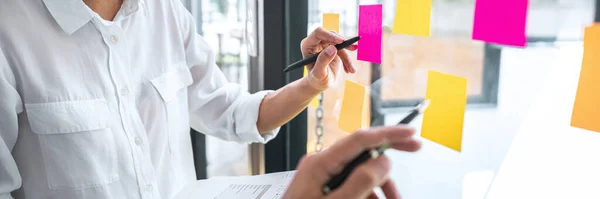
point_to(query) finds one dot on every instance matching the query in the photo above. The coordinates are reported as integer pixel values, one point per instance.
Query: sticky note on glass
(586, 110)
(366, 112)
(443, 119)
(413, 17)
(331, 21)
(501, 21)
(370, 28)
(315, 101)
(353, 103)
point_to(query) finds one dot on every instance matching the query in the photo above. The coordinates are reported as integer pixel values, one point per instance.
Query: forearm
(279, 107)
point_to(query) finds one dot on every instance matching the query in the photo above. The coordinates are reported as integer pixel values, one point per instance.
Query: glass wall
(435, 171)
(406, 59)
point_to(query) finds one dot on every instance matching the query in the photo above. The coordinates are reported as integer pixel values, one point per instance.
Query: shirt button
(114, 38)
(124, 91)
(149, 188)
(138, 140)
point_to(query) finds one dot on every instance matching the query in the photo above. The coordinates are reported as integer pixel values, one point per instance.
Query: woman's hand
(314, 171)
(325, 70)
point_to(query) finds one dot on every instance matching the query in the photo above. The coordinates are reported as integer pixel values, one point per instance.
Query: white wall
(438, 172)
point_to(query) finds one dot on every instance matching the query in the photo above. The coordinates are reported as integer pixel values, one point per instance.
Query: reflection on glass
(450, 50)
(223, 28)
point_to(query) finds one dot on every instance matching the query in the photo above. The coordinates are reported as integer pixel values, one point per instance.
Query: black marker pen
(313, 58)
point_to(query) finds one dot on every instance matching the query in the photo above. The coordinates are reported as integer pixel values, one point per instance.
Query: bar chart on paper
(255, 191)
(273, 186)
(268, 186)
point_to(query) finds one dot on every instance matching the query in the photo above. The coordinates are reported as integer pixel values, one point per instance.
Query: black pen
(337, 181)
(313, 58)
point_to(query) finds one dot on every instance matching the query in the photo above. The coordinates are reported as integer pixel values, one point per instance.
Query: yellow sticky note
(315, 101)
(443, 119)
(366, 113)
(586, 110)
(413, 17)
(353, 103)
(331, 21)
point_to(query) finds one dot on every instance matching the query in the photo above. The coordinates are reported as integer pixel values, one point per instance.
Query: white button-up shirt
(95, 109)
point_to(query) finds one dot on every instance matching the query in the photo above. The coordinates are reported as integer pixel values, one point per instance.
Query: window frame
(284, 152)
(489, 89)
(597, 15)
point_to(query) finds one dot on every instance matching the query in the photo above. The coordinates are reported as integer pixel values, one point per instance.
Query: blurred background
(255, 39)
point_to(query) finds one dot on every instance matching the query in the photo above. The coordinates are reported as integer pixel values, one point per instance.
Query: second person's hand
(314, 171)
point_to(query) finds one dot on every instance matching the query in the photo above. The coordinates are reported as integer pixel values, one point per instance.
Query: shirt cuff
(246, 117)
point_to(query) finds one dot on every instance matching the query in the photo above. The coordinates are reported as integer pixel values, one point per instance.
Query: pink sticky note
(501, 21)
(370, 28)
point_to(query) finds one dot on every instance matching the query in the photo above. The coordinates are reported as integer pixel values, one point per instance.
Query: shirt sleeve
(218, 107)
(10, 107)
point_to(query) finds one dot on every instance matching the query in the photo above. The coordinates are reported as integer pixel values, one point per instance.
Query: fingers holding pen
(364, 179)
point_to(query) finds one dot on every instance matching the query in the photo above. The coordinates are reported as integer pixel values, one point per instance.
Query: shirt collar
(74, 14)
(70, 15)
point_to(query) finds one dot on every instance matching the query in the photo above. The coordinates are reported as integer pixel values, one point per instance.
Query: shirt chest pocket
(172, 87)
(77, 144)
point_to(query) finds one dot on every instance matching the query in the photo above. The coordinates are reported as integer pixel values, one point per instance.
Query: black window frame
(281, 47)
(597, 15)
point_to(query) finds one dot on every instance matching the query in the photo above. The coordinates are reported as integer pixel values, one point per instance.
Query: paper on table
(269, 186)
(443, 119)
(586, 110)
(353, 106)
(315, 101)
(331, 21)
(413, 17)
(501, 22)
(370, 29)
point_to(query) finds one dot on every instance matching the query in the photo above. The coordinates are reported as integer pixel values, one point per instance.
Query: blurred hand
(324, 71)
(314, 171)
